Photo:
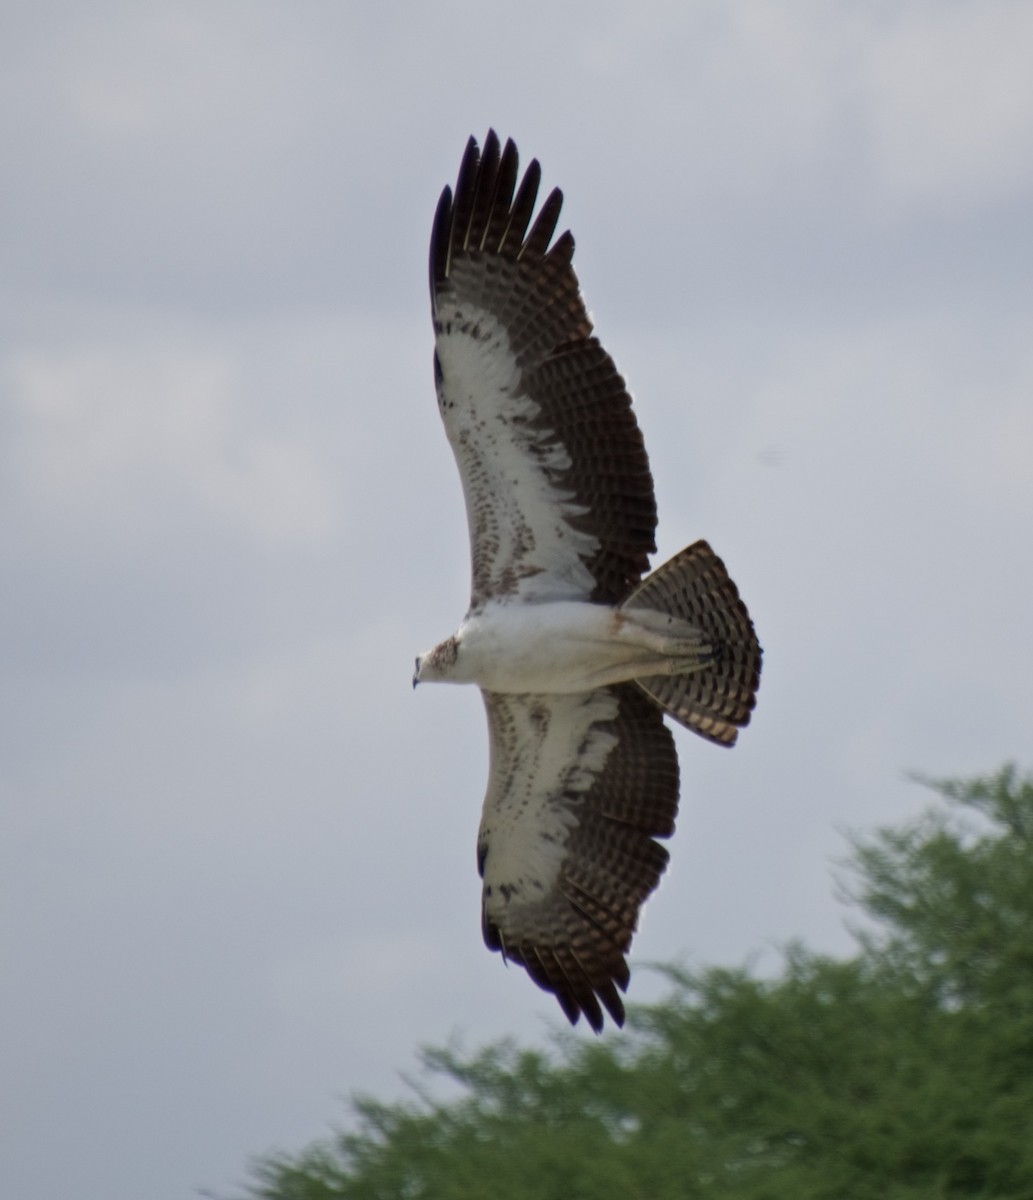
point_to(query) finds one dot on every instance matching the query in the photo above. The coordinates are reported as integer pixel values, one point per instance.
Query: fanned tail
(714, 700)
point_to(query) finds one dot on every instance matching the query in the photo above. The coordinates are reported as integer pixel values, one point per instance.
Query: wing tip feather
(489, 210)
(440, 239)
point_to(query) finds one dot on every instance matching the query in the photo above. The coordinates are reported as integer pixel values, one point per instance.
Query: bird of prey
(578, 657)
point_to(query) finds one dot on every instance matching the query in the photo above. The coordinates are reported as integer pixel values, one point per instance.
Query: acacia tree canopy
(904, 1073)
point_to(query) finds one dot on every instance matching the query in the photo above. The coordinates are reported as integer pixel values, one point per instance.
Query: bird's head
(438, 663)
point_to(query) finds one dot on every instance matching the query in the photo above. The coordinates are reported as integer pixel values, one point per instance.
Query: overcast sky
(237, 876)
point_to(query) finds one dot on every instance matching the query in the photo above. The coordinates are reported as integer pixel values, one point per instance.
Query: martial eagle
(577, 656)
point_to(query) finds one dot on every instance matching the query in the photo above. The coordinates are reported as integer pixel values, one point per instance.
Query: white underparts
(565, 648)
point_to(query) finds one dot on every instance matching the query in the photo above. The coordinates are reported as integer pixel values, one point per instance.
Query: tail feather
(716, 700)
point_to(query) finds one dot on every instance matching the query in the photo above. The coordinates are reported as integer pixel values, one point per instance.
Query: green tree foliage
(905, 1073)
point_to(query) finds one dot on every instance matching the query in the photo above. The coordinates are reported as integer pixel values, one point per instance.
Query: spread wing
(558, 490)
(579, 787)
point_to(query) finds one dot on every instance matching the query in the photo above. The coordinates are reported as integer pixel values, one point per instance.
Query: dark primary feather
(485, 256)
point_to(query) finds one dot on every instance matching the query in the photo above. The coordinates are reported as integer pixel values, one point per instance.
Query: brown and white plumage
(577, 656)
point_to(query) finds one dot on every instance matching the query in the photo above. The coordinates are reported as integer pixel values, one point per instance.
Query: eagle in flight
(578, 657)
